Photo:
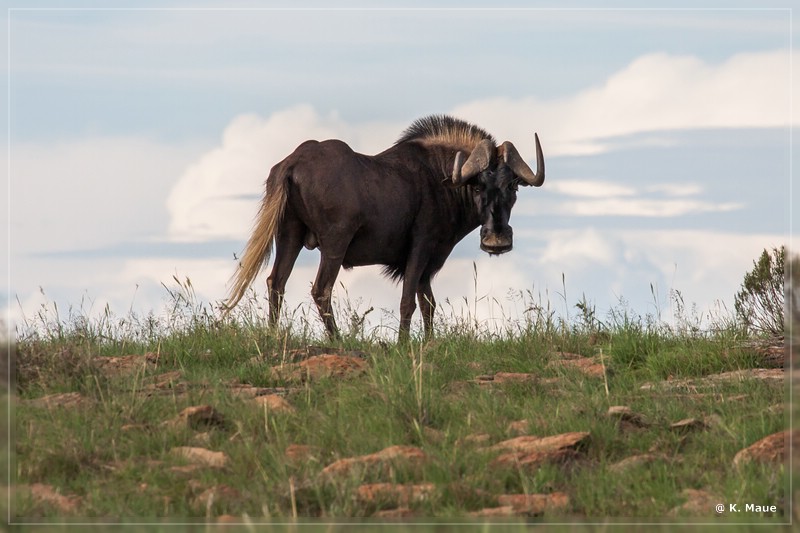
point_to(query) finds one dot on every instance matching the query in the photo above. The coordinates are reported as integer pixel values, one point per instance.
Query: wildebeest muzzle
(495, 242)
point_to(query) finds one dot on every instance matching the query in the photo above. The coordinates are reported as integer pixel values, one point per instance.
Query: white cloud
(207, 203)
(579, 249)
(705, 259)
(603, 198)
(590, 188)
(705, 266)
(91, 192)
(655, 92)
(640, 207)
(676, 189)
(83, 194)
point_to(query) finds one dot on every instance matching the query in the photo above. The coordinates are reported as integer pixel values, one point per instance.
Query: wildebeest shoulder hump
(446, 131)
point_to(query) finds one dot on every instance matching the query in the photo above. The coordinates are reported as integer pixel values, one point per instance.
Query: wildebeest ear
(477, 162)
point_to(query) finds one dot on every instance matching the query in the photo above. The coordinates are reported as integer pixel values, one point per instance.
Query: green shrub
(760, 301)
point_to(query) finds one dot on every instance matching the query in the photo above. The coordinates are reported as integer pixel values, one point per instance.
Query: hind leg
(288, 243)
(322, 290)
(333, 247)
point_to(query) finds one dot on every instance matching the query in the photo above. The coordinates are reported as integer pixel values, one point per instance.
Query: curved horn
(512, 158)
(477, 162)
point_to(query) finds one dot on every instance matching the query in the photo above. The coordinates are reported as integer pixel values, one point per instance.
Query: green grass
(416, 394)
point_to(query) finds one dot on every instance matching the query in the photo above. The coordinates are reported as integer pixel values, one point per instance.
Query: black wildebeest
(404, 208)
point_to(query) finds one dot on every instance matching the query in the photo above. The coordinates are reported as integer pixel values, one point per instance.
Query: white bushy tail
(259, 247)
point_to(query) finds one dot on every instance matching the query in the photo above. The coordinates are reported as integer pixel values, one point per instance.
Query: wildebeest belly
(374, 247)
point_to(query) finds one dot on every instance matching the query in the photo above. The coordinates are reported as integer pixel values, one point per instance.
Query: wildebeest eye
(478, 188)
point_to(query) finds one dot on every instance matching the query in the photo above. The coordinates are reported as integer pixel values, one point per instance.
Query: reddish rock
(390, 455)
(402, 495)
(400, 512)
(530, 451)
(126, 364)
(549, 381)
(135, 427)
(773, 356)
(322, 366)
(769, 375)
(167, 380)
(532, 460)
(301, 453)
(633, 461)
(201, 456)
(514, 377)
(275, 403)
(474, 439)
(245, 390)
(519, 427)
(66, 399)
(494, 512)
(688, 424)
(732, 398)
(569, 356)
(40, 492)
(197, 417)
(186, 470)
(203, 439)
(300, 354)
(534, 504)
(521, 443)
(531, 443)
(589, 366)
(766, 374)
(503, 378)
(214, 494)
(771, 449)
(433, 435)
(626, 415)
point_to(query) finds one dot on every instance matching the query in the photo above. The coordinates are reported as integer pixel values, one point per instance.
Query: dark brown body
(400, 208)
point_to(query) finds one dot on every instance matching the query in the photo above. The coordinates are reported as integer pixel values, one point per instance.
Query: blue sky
(139, 139)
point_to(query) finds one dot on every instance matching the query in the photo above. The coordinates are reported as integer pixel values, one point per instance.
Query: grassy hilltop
(190, 418)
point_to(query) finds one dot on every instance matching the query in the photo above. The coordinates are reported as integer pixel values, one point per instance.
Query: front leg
(427, 304)
(407, 308)
(413, 283)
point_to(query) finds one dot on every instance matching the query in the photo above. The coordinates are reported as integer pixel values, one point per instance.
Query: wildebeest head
(492, 175)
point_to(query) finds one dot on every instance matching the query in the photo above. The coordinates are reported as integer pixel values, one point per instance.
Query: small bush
(760, 301)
